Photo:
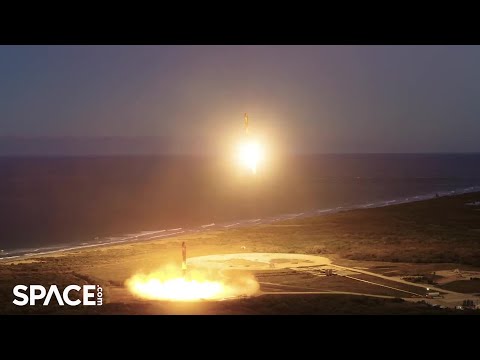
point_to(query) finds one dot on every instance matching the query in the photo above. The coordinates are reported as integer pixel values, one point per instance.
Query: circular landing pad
(257, 261)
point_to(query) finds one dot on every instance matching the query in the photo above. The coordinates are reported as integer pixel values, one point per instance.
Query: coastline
(171, 233)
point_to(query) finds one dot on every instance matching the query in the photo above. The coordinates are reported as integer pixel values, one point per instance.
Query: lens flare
(250, 154)
(196, 285)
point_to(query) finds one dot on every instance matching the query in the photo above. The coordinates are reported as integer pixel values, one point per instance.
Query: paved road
(448, 299)
(395, 278)
(322, 293)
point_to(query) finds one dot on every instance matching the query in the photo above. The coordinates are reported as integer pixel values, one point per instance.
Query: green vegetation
(463, 286)
(442, 230)
(262, 305)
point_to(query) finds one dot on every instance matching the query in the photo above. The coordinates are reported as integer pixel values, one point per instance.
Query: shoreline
(171, 233)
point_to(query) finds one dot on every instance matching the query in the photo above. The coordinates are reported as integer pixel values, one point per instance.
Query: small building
(469, 304)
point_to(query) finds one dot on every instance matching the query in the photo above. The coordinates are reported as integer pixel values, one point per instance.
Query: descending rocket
(250, 152)
(184, 258)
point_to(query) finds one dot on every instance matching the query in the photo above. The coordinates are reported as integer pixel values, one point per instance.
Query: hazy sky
(311, 98)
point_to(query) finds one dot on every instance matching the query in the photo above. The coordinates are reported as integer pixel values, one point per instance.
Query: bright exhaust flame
(176, 289)
(169, 284)
(250, 154)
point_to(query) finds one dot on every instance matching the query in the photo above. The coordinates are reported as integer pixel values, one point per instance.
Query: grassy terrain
(463, 286)
(425, 233)
(442, 230)
(294, 281)
(262, 305)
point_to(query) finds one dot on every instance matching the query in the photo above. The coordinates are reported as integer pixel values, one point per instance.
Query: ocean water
(47, 204)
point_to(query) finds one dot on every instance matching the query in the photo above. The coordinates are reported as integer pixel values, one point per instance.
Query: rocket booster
(246, 123)
(184, 257)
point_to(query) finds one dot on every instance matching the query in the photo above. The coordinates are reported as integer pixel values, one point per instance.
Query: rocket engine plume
(199, 284)
(184, 258)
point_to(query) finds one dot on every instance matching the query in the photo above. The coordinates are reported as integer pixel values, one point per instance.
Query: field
(379, 246)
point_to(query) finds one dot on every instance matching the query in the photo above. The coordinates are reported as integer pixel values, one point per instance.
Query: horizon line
(214, 155)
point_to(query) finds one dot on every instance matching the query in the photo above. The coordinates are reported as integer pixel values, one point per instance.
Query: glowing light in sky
(250, 155)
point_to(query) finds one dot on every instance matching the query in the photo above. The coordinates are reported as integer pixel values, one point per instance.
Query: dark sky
(307, 98)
